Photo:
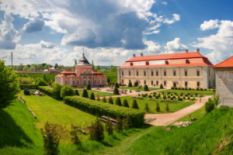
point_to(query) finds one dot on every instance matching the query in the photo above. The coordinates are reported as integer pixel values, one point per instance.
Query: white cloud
(219, 44)
(174, 45)
(209, 25)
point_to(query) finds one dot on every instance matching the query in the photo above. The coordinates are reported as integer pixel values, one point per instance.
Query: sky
(111, 31)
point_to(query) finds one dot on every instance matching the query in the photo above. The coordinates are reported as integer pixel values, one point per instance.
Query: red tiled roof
(183, 55)
(67, 72)
(226, 63)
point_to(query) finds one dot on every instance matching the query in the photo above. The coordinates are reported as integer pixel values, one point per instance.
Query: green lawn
(197, 115)
(140, 88)
(96, 92)
(142, 101)
(50, 110)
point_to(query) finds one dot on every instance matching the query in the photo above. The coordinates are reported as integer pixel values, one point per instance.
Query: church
(82, 75)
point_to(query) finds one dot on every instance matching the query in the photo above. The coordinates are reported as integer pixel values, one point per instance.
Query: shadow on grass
(10, 133)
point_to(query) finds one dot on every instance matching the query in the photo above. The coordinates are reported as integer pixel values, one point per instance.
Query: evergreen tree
(76, 92)
(92, 97)
(110, 100)
(135, 104)
(125, 103)
(116, 91)
(89, 86)
(135, 83)
(147, 109)
(157, 107)
(97, 131)
(146, 88)
(118, 101)
(85, 93)
(104, 99)
(130, 84)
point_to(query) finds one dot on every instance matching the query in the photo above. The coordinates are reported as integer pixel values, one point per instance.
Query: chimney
(134, 55)
(186, 51)
(198, 50)
(141, 54)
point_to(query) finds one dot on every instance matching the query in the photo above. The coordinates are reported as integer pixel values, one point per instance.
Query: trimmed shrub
(56, 90)
(110, 100)
(135, 104)
(41, 82)
(146, 88)
(135, 117)
(209, 106)
(135, 83)
(26, 92)
(97, 131)
(116, 91)
(119, 124)
(76, 92)
(125, 103)
(66, 91)
(130, 84)
(104, 99)
(92, 97)
(116, 85)
(157, 107)
(89, 86)
(85, 93)
(167, 107)
(161, 86)
(147, 109)
(118, 101)
(47, 90)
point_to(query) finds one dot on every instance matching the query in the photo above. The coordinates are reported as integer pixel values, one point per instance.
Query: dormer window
(187, 61)
(166, 62)
(147, 63)
(131, 64)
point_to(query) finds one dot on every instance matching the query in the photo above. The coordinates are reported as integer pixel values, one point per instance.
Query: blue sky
(111, 31)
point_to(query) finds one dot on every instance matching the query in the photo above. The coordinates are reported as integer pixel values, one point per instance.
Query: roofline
(217, 65)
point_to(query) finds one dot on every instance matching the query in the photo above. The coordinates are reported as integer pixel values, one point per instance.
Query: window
(144, 82)
(198, 84)
(147, 63)
(152, 82)
(144, 73)
(129, 73)
(137, 73)
(198, 73)
(174, 73)
(165, 83)
(157, 83)
(174, 84)
(186, 84)
(185, 73)
(152, 73)
(165, 73)
(157, 73)
(122, 73)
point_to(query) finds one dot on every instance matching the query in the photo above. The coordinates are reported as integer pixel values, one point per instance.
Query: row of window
(164, 73)
(187, 61)
(164, 83)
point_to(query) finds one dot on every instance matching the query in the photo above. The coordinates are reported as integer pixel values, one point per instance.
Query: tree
(89, 86)
(56, 90)
(135, 104)
(209, 106)
(147, 109)
(66, 91)
(9, 85)
(85, 93)
(161, 86)
(51, 139)
(73, 135)
(97, 131)
(135, 83)
(125, 103)
(76, 92)
(116, 85)
(130, 84)
(92, 97)
(146, 88)
(116, 91)
(118, 101)
(110, 100)
(157, 107)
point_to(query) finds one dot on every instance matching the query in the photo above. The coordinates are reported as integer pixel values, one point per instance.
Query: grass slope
(211, 135)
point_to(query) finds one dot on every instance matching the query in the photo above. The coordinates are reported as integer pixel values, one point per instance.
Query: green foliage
(146, 88)
(47, 90)
(130, 84)
(66, 91)
(157, 107)
(73, 135)
(97, 131)
(110, 100)
(109, 127)
(118, 101)
(135, 83)
(125, 103)
(161, 86)
(92, 97)
(167, 107)
(56, 90)
(51, 139)
(76, 92)
(147, 109)
(135, 104)
(210, 105)
(26, 92)
(116, 91)
(89, 86)
(9, 85)
(104, 99)
(135, 117)
(41, 82)
(119, 124)
(85, 93)
(117, 85)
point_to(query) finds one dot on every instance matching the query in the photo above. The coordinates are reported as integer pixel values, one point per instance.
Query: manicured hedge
(28, 86)
(47, 90)
(135, 117)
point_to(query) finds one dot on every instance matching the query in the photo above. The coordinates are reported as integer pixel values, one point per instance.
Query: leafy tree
(110, 100)
(73, 134)
(130, 84)
(51, 139)
(97, 131)
(85, 93)
(135, 104)
(117, 85)
(147, 109)
(66, 91)
(109, 127)
(104, 99)
(57, 90)
(157, 107)
(146, 88)
(89, 86)
(116, 91)
(125, 103)
(118, 101)
(9, 85)
(92, 97)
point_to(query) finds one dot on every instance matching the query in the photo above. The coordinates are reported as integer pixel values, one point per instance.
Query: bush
(85, 93)
(76, 92)
(147, 109)
(92, 97)
(109, 127)
(73, 135)
(26, 92)
(110, 100)
(89, 86)
(97, 131)
(51, 139)
(9, 85)
(157, 107)
(119, 124)
(27, 86)
(161, 86)
(125, 103)
(41, 82)
(146, 88)
(104, 99)
(66, 91)
(56, 90)
(130, 84)
(118, 101)
(116, 91)
(47, 90)
(209, 106)
(135, 117)
(135, 104)
(167, 107)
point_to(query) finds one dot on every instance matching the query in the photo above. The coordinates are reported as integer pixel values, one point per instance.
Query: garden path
(169, 118)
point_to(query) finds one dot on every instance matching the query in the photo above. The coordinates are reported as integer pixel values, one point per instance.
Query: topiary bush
(85, 93)
(125, 103)
(118, 101)
(209, 106)
(92, 97)
(135, 104)
(66, 91)
(146, 88)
